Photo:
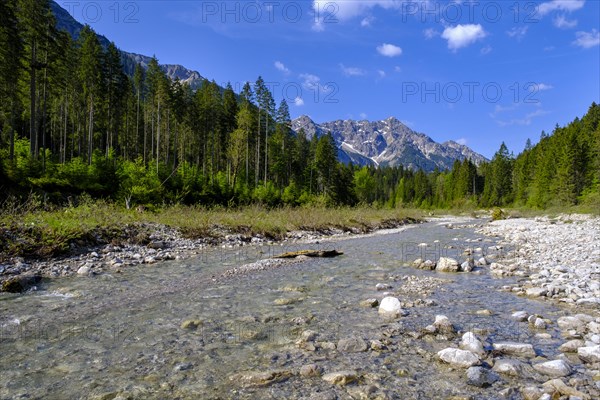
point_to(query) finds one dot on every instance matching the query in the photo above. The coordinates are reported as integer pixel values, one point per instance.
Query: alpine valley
(376, 143)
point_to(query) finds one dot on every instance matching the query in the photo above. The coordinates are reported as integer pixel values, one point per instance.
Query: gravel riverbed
(160, 243)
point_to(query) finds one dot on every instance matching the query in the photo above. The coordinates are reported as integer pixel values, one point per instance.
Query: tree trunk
(91, 130)
(32, 109)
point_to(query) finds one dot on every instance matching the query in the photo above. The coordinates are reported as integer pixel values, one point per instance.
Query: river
(120, 335)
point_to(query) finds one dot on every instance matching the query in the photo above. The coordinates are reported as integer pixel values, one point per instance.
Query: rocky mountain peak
(387, 143)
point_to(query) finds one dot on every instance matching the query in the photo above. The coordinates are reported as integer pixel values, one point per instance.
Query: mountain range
(379, 143)
(387, 143)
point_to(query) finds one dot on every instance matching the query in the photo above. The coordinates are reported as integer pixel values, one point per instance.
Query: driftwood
(310, 253)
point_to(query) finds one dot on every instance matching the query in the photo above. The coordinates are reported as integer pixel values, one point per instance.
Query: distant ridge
(65, 22)
(387, 143)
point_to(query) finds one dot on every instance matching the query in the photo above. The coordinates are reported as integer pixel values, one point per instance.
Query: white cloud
(389, 50)
(362, 115)
(351, 71)
(563, 23)
(328, 12)
(397, 69)
(310, 81)
(430, 33)
(525, 120)
(463, 35)
(587, 39)
(381, 73)
(298, 102)
(366, 22)
(486, 50)
(462, 141)
(348, 9)
(518, 32)
(281, 67)
(543, 86)
(560, 5)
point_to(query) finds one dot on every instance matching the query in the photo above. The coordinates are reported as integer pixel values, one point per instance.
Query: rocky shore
(557, 258)
(151, 243)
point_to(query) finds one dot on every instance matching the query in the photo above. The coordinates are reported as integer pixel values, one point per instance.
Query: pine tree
(90, 74)
(36, 23)
(11, 52)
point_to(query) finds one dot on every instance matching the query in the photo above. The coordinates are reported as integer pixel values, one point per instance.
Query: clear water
(120, 334)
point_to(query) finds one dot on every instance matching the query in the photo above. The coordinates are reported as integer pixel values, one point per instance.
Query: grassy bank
(42, 234)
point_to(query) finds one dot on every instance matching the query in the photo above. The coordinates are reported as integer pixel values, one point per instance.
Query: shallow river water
(119, 335)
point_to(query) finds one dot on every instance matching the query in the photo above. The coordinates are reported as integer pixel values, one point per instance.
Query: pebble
(391, 306)
(341, 378)
(481, 377)
(589, 354)
(554, 368)
(458, 357)
(84, 270)
(352, 345)
(516, 349)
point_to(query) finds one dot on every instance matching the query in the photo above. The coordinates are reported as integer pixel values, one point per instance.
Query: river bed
(184, 329)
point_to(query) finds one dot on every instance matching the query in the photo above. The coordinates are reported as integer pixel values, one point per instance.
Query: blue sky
(479, 72)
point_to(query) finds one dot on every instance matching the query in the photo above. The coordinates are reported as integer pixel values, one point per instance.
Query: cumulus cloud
(587, 39)
(463, 35)
(389, 50)
(486, 50)
(381, 73)
(562, 22)
(298, 102)
(462, 141)
(281, 67)
(362, 115)
(560, 5)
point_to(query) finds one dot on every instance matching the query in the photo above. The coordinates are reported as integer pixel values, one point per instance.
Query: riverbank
(557, 258)
(98, 237)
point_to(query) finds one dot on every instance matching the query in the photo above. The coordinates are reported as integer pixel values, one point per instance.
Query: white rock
(590, 354)
(446, 264)
(83, 270)
(458, 357)
(568, 322)
(443, 324)
(467, 266)
(539, 323)
(508, 366)
(517, 349)
(536, 292)
(471, 343)
(391, 306)
(594, 327)
(554, 368)
(520, 316)
(571, 346)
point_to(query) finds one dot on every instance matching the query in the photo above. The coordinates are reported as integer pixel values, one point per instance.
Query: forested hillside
(72, 122)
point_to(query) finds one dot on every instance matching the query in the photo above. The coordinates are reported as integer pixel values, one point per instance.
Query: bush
(498, 214)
